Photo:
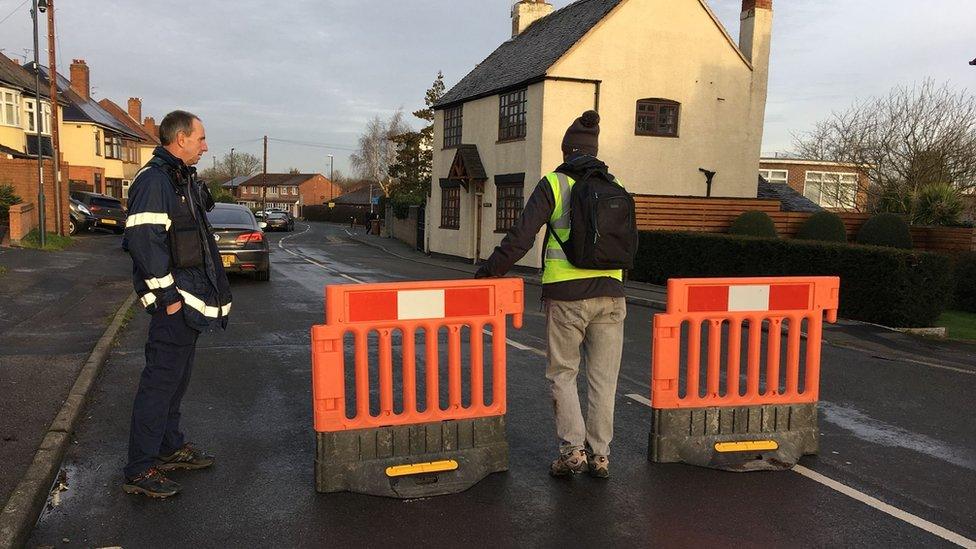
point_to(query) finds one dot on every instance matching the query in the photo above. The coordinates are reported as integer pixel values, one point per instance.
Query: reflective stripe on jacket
(557, 267)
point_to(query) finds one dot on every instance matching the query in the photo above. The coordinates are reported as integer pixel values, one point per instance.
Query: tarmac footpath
(59, 312)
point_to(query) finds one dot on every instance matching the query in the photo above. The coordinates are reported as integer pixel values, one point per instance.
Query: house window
(273, 191)
(98, 143)
(451, 207)
(45, 117)
(509, 200)
(657, 117)
(452, 126)
(831, 189)
(775, 176)
(511, 115)
(113, 147)
(9, 108)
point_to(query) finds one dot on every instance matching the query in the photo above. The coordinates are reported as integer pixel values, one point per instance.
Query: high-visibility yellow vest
(557, 267)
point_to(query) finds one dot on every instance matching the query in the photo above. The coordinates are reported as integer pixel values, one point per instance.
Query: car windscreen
(229, 216)
(277, 215)
(106, 203)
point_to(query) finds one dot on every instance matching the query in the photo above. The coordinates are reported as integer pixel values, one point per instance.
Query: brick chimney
(755, 29)
(135, 108)
(79, 78)
(526, 12)
(150, 124)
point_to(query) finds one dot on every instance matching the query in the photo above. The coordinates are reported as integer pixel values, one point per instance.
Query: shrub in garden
(754, 223)
(886, 229)
(965, 282)
(823, 226)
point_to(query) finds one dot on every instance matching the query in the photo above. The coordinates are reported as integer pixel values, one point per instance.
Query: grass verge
(53, 242)
(959, 325)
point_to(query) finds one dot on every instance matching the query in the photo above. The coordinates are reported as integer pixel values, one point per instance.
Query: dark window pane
(657, 117)
(229, 216)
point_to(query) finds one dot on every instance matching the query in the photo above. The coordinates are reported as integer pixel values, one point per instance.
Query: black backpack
(603, 225)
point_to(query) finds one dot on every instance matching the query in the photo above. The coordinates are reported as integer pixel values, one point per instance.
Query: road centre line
(870, 501)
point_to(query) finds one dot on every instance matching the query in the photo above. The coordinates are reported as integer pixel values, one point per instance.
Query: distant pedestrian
(180, 280)
(590, 237)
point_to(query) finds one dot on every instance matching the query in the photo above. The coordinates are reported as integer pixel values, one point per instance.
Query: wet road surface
(897, 431)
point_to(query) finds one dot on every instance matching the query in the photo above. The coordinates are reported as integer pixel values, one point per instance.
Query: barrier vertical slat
(386, 372)
(362, 373)
(476, 346)
(430, 368)
(733, 369)
(454, 366)
(409, 362)
(499, 340)
(811, 384)
(793, 356)
(692, 379)
(714, 356)
(773, 348)
(752, 358)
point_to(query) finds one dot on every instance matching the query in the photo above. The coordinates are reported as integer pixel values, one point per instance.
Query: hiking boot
(187, 457)
(599, 466)
(571, 463)
(151, 483)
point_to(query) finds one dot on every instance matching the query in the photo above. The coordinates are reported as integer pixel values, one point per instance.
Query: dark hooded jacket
(165, 198)
(520, 238)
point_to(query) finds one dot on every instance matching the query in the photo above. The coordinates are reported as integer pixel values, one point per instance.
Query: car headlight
(83, 209)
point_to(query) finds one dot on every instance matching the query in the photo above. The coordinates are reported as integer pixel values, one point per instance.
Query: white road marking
(639, 398)
(905, 516)
(870, 501)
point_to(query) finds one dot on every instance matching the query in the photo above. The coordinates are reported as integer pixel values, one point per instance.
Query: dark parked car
(243, 248)
(80, 218)
(107, 210)
(279, 221)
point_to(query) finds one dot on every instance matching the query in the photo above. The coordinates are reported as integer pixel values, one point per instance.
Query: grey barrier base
(690, 436)
(357, 460)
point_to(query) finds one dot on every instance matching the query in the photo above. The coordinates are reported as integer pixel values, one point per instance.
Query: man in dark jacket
(180, 280)
(585, 308)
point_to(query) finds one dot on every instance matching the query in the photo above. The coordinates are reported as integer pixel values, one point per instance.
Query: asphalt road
(893, 429)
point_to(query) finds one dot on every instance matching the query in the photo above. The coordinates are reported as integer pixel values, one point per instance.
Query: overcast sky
(315, 70)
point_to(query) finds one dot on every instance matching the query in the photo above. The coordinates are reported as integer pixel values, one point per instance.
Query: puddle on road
(871, 430)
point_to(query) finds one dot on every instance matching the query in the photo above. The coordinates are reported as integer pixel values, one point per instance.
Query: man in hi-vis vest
(585, 308)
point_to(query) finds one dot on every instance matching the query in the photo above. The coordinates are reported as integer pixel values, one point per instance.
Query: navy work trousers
(155, 428)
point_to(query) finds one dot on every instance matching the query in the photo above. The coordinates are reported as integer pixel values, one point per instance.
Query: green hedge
(965, 279)
(881, 285)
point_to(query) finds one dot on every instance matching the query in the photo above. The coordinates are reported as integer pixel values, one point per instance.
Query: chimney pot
(80, 78)
(135, 108)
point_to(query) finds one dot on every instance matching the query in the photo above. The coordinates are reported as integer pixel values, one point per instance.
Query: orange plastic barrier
(735, 302)
(408, 307)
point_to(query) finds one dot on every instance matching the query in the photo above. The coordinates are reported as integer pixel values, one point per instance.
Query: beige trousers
(591, 330)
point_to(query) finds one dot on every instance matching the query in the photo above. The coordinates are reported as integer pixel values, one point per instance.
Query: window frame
(507, 212)
(767, 175)
(657, 103)
(113, 147)
(453, 126)
(834, 200)
(30, 115)
(10, 98)
(512, 105)
(450, 205)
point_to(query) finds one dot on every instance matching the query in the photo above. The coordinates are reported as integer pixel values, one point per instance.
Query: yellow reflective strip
(148, 218)
(148, 299)
(156, 283)
(418, 468)
(746, 446)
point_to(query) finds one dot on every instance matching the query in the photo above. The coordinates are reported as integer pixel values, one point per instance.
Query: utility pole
(38, 111)
(52, 67)
(264, 182)
(331, 182)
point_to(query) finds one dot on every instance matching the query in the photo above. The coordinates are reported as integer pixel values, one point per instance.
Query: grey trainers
(599, 466)
(568, 464)
(151, 483)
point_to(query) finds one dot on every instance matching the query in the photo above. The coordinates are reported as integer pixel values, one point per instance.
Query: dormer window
(657, 117)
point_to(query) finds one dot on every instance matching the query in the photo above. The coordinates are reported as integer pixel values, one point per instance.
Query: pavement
(898, 442)
(54, 306)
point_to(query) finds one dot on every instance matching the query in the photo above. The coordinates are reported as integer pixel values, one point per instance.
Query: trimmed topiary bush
(886, 229)
(965, 281)
(754, 223)
(823, 226)
(883, 285)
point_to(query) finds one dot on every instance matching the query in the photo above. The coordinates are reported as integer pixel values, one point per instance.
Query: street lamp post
(38, 111)
(331, 182)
